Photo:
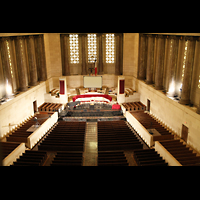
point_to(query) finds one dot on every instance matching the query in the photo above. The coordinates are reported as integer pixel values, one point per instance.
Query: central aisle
(90, 153)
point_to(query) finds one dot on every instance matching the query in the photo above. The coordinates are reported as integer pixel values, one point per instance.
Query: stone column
(172, 53)
(150, 59)
(180, 58)
(21, 63)
(117, 56)
(100, 66)
(6, 64)
(188, 65)
(197, 52)
(66, 67)
(198, 108)
(41, 59)
(32, 61)
(142, 58)
(2, 80)
(84, 53)
(160, 54)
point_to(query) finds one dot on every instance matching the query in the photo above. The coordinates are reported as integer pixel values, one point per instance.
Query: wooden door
(148, 105)
(35, 106)
(184, 134)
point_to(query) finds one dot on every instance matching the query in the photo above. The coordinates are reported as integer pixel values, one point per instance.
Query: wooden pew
(150, 123)
(31, 158)
(21, 134)
(148, 157)
(40, 107)
(66, 136)
(181, 152)
(67, 159)
(112, 159)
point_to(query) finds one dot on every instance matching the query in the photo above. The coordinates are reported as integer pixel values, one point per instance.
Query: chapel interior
(99, 99)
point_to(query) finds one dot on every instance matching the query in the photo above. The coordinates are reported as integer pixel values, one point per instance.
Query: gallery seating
(148, 157)
(31, 158)
(66, 136)
(49, 107)
(183, 154)
(134, 106)
(21, 134)
(8, 147)
(64, 158)
(150, 123)
(112, 158)
(54, 92)
(116, 135)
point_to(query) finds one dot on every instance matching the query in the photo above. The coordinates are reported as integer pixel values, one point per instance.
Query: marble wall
(21, 107)
(170, 112)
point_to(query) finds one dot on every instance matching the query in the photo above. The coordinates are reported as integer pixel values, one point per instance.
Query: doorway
(148, 105)
(35, 106)
(184, 134)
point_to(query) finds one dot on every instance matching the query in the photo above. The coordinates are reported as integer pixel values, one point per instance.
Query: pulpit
(63, 89)
(121, 89)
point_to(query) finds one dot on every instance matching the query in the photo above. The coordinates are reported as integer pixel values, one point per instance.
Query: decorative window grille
(110, 48)
(92, 47)
(74, 48)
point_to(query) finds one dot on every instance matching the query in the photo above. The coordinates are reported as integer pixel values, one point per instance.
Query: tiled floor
(90, 153)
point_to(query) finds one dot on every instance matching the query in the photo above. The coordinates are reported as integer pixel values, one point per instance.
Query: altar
(93, 97)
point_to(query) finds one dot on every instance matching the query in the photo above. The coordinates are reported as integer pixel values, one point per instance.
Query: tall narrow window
(110, 48)
(74, 48)
(92, 47)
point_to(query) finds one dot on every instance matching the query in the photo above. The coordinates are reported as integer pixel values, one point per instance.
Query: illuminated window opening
(74, 48)
(92, 47)
(110, 48)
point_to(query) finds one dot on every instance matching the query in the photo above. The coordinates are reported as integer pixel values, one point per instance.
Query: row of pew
(148, 157)
(176, 148)
(181, 152)
(31, 158)
(129, 91)
(52, 107)
(63, 158)
(134, 106)
(7, 148)
(21, 134)
(54, 92)
(66, 136)
(112, 158)
(116, 135)
(150, 123)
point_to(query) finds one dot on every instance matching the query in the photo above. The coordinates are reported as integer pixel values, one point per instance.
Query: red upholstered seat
(116, 107)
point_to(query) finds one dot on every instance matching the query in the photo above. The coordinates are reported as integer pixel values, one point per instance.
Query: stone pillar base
(158, 87)
(149, 82)
(184, 101)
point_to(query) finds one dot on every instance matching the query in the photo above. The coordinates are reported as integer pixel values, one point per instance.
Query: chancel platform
(96, 97)
(85, 111)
